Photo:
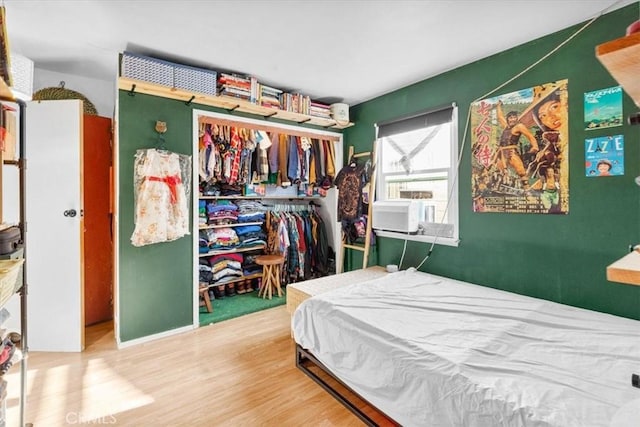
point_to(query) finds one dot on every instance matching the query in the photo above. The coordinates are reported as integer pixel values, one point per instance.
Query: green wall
(155, 281)
(561, 258)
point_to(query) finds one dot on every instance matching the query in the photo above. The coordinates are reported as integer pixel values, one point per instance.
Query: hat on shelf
(60, 92)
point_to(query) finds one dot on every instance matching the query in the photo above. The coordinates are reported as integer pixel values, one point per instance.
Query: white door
(54, 223)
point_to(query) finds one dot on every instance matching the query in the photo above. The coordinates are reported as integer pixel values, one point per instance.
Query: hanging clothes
(320, 245)
(272, 224)
(317, 173)
(293, 162)
(312, 163)
(305, 145)
(282, 160)
(161, 211)
(235, 144)
(264, 144)
(273, 153)
(330, 171)
(301, 238)
(350, 181)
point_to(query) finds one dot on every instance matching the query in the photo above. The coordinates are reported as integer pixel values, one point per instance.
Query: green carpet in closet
(238, 305)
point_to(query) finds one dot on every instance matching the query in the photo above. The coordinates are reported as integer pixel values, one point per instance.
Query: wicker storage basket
(57, 93)
(9, 283)
(195, 79)
(147, 69)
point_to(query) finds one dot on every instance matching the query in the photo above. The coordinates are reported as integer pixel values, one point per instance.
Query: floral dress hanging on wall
(161, 182)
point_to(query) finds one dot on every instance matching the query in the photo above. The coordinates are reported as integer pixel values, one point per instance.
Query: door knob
(70, 213)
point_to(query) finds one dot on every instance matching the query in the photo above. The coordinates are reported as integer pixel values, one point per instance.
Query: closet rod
(265, 127)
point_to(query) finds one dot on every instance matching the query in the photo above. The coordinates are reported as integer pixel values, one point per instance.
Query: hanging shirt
(331, 169)
(316, 174)
(273, 153)
(264, 143)
(312, 166)
(236, 155)
(293, 171)
(350, 181)
(282, 158)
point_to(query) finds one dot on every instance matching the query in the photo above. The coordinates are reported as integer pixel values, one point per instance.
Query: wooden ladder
(364, 248)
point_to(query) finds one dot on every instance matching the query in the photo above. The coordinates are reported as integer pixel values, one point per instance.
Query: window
(418, 159)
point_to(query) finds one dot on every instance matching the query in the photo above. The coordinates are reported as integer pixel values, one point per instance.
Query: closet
(252, 199)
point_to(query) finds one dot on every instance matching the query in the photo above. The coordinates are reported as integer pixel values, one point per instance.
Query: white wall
(101, 93)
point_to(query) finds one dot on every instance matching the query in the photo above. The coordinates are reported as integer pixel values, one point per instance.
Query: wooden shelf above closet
(621, 57)
(226, 103)
(626, 269)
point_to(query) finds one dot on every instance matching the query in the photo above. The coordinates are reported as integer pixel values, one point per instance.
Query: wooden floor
(235, 373)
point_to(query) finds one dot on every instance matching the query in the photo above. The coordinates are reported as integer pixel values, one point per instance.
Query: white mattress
(432, 351)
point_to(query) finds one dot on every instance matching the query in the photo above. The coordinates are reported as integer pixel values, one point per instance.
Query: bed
(431, 351)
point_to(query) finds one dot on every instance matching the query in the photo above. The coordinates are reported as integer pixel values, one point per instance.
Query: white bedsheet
(431, 351)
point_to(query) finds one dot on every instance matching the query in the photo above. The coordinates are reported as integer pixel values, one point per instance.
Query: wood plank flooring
(240, 372)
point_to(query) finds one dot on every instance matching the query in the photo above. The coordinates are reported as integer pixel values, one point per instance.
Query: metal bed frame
(303, 361)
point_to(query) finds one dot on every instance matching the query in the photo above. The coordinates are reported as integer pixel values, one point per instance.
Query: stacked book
(248, 88)
(234, 85)
(296, 103)
(269, 97)
(318, 109)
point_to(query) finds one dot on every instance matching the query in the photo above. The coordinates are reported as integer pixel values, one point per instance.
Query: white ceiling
(348, 51)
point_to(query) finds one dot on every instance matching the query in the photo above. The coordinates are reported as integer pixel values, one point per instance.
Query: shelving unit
(238, 224)
(261, 197)
(7, 95)
(621, 57)
(626, 269)
(225, 102)
(238, 279)
(231, 251)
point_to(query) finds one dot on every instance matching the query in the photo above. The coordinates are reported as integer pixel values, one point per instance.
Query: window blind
(411, 122)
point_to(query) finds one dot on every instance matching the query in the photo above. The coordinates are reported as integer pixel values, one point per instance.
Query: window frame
(452, 187)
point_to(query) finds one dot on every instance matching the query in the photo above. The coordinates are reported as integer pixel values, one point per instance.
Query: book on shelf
(237, 78)
(250, 89)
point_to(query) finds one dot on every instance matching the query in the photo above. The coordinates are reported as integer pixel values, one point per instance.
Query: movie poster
(603, 108)
(604, 156)
(520, 151)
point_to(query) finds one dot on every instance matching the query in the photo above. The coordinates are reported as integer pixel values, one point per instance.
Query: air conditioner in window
(398, 215)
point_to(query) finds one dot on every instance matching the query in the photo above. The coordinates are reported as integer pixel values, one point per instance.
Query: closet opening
(264, 212)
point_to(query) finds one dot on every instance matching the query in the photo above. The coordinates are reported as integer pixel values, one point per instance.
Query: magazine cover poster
(520, 156)
(603, 108)
(604, 156)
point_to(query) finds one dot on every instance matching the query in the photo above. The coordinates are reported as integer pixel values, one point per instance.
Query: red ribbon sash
(172, 182)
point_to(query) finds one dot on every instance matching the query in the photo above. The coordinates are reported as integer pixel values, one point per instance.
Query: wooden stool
(270, 274)
(204, 293)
